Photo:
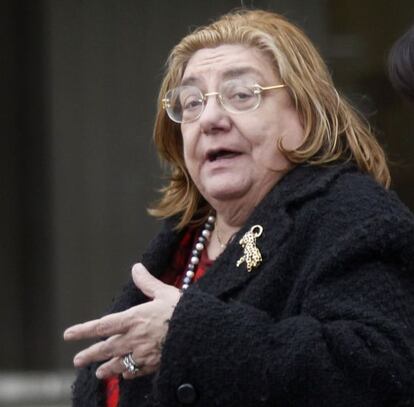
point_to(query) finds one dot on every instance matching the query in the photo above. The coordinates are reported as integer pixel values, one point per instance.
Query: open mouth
(221, 155)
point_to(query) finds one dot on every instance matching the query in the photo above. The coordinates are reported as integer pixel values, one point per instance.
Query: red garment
(112, 391)
(174, 275)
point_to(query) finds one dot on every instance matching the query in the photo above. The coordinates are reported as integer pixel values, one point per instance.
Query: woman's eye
(239, 95)
(242, 95)
(191, 103)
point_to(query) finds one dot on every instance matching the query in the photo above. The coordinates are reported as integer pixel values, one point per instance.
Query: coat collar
(299, 185)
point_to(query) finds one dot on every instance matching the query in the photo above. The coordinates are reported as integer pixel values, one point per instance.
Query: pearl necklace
(196, 253)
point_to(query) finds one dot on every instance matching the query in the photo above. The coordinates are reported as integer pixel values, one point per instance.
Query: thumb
(145, 281)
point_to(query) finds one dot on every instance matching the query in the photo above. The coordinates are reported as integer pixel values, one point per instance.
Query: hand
(140, 330)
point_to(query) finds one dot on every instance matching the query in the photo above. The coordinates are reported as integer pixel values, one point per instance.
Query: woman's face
(233, 156)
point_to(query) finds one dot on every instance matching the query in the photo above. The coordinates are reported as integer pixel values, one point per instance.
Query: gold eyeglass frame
(257, 90)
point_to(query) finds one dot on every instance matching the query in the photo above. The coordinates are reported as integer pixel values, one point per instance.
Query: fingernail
(99, 374)
(69, 334)
(137, 267)
(77, 361)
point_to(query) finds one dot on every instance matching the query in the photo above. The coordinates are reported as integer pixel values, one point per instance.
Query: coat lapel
(224, 275)
(273, 214)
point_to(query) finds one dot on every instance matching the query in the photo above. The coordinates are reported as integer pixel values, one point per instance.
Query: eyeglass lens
(186, 103)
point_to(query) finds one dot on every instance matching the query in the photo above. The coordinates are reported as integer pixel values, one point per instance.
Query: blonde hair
(333, 129)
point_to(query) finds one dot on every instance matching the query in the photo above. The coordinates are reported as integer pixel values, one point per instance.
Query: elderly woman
(284, 272)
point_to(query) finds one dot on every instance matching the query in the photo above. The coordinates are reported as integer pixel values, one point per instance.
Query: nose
(214, 117)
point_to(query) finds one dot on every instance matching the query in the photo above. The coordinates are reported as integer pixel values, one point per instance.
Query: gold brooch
(252, 255)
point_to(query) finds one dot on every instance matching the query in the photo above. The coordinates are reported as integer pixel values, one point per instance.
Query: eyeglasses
(185, 104)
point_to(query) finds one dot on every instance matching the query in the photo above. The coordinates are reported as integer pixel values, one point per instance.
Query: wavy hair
(333, 130)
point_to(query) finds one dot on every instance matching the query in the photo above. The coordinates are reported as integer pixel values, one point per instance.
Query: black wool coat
(325, 320)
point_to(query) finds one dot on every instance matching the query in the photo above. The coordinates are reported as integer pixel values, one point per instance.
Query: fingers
(111, 368)
(113, 350)
(146, 365)
(141, 328)
(116, 366)
(106, 326)
(118, 322)
(145, 281)
(112, 347)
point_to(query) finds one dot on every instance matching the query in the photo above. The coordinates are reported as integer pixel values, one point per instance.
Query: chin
(225, 192)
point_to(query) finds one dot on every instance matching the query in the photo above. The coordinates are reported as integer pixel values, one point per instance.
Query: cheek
(191, 159)
(188, 144)
(294, 135)
(264, 138)
(264, 145)
(285, 127)
(186, 156)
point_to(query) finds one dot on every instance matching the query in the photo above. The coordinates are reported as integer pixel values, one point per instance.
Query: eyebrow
(228, 74)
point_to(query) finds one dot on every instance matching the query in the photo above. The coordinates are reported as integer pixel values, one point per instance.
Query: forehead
(226, 61)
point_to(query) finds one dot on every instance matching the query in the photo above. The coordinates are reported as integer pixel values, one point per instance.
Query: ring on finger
(130, 364)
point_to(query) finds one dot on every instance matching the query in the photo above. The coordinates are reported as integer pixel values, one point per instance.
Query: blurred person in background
(401, 65)
(283, 274)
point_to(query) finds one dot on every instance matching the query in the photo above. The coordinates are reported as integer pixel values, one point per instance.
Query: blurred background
(79, 80)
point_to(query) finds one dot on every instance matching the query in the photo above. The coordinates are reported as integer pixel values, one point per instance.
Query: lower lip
(223, 162)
